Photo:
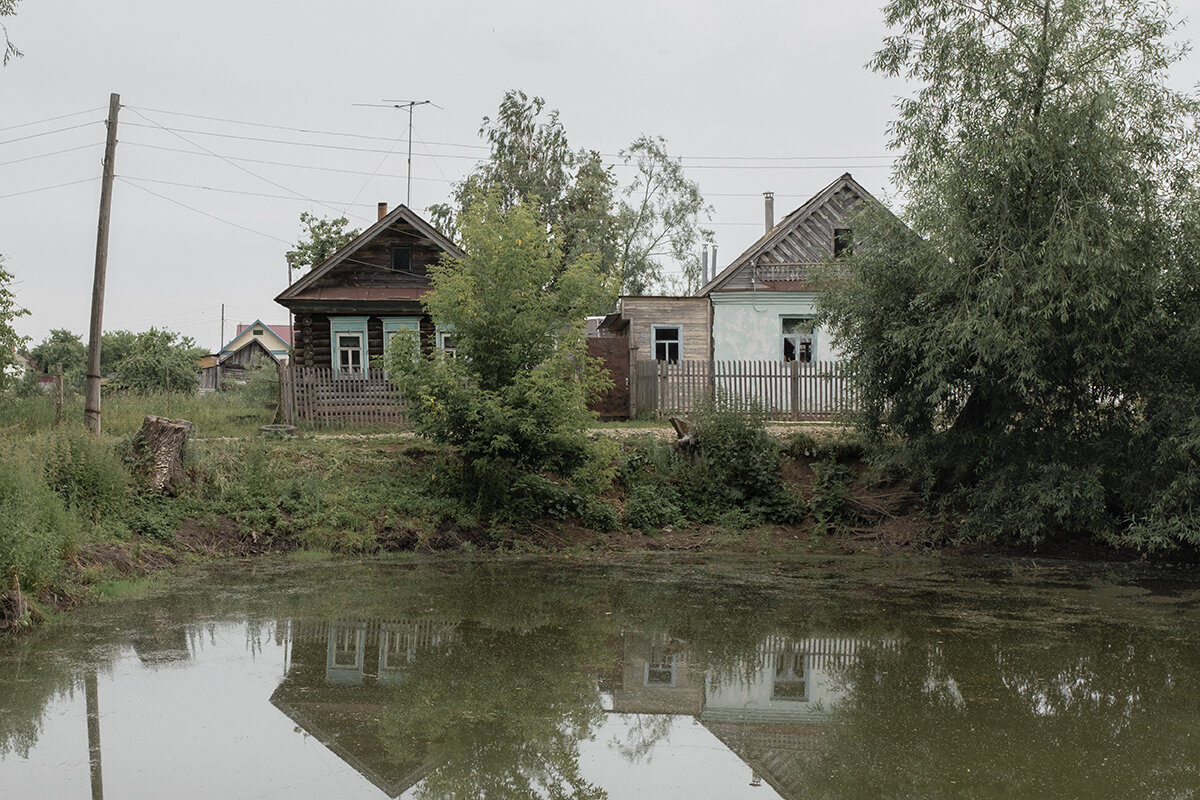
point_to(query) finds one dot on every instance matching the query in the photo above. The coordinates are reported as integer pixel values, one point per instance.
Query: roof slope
(402, 215)
(804, 237)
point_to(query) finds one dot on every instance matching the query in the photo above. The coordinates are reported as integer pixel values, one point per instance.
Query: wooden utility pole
(91, 407)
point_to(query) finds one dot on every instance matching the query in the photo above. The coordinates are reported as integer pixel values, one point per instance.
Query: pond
(541, 678)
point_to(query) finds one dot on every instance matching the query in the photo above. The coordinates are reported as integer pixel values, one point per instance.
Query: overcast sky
(754, 96)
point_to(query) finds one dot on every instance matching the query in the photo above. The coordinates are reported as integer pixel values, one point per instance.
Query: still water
(830, 678)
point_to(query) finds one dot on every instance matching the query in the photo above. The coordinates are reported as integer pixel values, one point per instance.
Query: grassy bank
(72, 515)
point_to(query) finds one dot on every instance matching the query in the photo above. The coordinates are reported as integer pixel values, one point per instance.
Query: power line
(52, 119)
(203, 213)
(49, 133)
(47, 155)
(48, 188)
(276, 163)
(236, 166)
(234, 191)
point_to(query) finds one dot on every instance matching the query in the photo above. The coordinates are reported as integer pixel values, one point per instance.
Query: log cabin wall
(314, 338)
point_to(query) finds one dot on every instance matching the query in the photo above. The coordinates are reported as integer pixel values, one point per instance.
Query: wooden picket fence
(817, 390)
(316, 396)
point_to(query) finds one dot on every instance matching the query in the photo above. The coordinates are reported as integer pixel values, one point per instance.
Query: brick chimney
(382, 210)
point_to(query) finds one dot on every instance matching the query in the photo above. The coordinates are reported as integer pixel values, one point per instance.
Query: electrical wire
(47, 155)
(48, 188)
(230, 191)
(50, 133)
(125, 142)
(52, 119)
(127, 182)
(237, 166)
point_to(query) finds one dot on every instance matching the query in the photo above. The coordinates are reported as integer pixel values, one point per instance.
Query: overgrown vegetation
(1030, 359)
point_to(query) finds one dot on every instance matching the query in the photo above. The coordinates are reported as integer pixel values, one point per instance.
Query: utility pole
(91, 407)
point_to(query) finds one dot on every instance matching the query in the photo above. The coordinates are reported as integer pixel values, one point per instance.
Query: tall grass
(218, 414)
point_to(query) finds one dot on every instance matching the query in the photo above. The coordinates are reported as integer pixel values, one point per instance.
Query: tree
(8, 8)
(114, 346)
(658, 220)
(60, 347)
(319, 239)
(514, 401)
(633, 231)
(159, 361)
(1037, 347)
(10, 340)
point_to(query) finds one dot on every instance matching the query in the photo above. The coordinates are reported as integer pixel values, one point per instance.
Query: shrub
(652, 507)
(36, 529)
(85, 472)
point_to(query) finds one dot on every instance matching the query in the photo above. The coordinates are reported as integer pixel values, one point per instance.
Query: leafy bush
(85, 472)
(652, 507)
(36, 529)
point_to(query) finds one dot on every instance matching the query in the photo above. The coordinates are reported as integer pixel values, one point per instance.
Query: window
(843, 242)
(393, 324)
(257, 332)
(668, 343)
(790, 683)
(401, 258)
(660, 669)
(798, 339)
(447, 345)
(348, 340)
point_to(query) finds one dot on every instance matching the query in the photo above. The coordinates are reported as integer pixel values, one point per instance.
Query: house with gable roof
(764, 302)
(348, 307)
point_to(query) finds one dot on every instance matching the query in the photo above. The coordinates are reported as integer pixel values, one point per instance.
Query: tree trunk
(158, 449)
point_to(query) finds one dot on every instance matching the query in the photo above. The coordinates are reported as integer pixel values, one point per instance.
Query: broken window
(790, 683)
(798, 338)
(843, 242)
(668, 343)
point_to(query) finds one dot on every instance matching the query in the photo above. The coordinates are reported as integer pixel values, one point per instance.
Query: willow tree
(1036, 345)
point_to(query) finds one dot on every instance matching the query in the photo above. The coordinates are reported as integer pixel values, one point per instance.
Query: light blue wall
(747, 326)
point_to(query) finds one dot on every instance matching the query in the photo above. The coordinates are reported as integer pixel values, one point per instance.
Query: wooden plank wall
(785, 389)
(314, 395)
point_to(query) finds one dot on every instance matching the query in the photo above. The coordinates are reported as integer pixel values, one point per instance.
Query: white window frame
(678, 342)
(798, 339)
(447, 351)
(348, 326)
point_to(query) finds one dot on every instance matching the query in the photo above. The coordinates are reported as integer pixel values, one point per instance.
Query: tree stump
(158, 450)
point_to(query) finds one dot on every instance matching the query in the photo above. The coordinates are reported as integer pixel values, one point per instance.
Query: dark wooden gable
(782, 258)
(368, 271)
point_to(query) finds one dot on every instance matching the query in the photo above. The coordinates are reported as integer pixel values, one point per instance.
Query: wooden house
(347, 308)
(764, 302)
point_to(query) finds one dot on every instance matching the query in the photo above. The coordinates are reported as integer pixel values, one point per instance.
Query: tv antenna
(410, 105)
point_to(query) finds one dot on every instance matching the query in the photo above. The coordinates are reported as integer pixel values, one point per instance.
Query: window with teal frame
(446, 343)
(393, 324)
(348, 345)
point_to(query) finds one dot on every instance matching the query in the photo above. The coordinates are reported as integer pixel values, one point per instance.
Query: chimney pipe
(769, 209)
(713, 259)
(382, 210)
(704, 261)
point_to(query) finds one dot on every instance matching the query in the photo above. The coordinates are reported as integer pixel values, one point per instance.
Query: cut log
(158, 450)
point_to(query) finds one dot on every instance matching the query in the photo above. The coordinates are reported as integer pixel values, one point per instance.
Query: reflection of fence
(316, 395)
(784, 389)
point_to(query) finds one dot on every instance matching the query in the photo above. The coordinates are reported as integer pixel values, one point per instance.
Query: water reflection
(544, 683)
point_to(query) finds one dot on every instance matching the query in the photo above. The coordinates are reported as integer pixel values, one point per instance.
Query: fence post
(794, 369)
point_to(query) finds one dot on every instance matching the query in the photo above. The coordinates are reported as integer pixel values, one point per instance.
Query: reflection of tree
(500, 713)
(642, 733)
(1089, 715)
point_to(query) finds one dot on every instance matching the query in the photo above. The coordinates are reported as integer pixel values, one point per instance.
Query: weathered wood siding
(690, 313)
(614, 352)
(371, 264)
(314, 337)
(808, 242)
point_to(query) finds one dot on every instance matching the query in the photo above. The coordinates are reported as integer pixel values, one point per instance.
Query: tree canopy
(8, 8)
(319, 239)
(10, 340)
(514, 400)
(1036, 346)
(159, 361)
(641, 233)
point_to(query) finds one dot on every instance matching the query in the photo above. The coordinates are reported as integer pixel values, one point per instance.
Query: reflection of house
(769, 708)
(337, 686)
(656, 677)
